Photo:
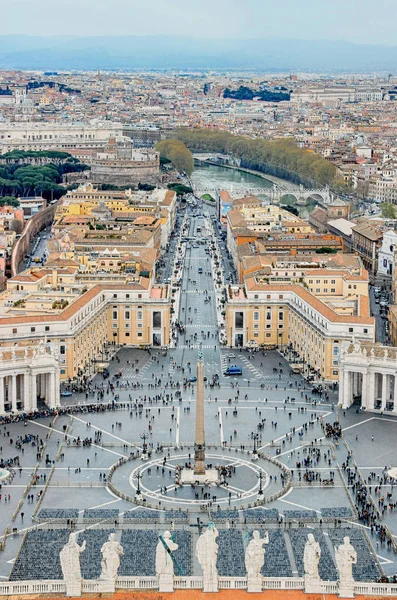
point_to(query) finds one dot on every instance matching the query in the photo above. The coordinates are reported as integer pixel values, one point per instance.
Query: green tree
(9, 201)
(388, 210)
(179, 155)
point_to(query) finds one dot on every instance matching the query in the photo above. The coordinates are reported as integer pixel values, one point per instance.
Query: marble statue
(345, 558)
(70, 565)
(311, 558)
(207, 554)
(254, 560)
(111, 552)
(164, 562)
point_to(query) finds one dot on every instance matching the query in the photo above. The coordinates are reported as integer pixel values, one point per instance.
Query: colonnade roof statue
(345, 558)
(207, 556)
(311, 558)
(164, 549)
(70, 565)
(111, 552)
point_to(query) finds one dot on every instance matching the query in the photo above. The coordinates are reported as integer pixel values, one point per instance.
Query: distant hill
(173, 52)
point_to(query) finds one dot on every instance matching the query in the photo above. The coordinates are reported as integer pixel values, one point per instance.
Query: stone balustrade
(21, 588)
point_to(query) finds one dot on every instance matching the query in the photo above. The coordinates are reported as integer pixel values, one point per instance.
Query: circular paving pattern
(156, 480)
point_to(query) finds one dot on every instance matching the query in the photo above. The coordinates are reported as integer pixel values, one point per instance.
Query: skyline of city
(198, 300)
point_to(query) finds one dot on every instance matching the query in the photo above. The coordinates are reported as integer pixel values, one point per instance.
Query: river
(207, 178)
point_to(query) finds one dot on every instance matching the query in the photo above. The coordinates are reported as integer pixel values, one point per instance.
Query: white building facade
(386, 253)
(28, 375)
(368, 377)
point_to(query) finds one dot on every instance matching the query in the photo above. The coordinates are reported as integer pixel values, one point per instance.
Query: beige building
(306, 317)
(55, 305)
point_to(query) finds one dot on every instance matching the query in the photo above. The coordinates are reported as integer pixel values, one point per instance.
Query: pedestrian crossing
(255, 372)
(196, 347)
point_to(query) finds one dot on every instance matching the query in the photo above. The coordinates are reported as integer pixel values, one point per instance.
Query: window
(268, 315)
(268, 326)
(256, 316)
(127, 314)
(239, 320)
(15, 330)
(268, 335)
(281, 297)
(114, 326)
(114, 314)
(114, 295)
(139, 325)
(333, 281)
(33, 329)
(140, 334)
(127, 335)
(281, 316)
(280, 325)
(332, 290)
(365, 330)
(139, 295)
(350, 329)
(256, 296)
(139, 315)
(63, 371)
(256, 326)
(325, 291)
(47, 328)
(62, 350)
(317, 290)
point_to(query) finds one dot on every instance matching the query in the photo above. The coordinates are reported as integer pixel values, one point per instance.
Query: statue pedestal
(312, 586)
(210, 585)
(107, 586)
(166, 582)
(73, 588)
(254, 584)
(188, 476)
(346, 590)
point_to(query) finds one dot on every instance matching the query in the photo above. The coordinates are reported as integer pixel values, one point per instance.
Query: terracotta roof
(309, 298)
(76, 305)
(372, 233)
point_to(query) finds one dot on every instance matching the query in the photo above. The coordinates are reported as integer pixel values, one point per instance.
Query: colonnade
(372, 390)
(21, 390)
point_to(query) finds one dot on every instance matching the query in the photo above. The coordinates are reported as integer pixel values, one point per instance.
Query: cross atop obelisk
(199, 441)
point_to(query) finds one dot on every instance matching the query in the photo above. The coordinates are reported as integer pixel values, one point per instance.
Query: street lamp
(144, 436)
(138, 476)
(261, 477)
(255, 437)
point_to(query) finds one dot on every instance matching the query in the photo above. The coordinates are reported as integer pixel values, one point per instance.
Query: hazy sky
(361, 21)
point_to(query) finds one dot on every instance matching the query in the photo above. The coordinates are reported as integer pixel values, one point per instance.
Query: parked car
(66, 394)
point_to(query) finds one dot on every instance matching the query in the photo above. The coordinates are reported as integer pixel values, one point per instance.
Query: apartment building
(56, 304)
(310, 323)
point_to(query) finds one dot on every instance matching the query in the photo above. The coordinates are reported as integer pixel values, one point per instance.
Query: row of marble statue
(207, 555)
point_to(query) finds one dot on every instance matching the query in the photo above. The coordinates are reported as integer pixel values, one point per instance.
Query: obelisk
(199, 440)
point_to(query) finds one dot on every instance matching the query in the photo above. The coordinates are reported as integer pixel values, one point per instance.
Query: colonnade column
(342, 375)
(51, 399)
(364, 400)
(33, 392)
(2, 409)
(395, 394)
(25, 394)
(14, 392)
(346, 389)
(384, 391)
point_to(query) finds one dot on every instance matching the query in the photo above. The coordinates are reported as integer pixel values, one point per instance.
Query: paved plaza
(88, 460)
